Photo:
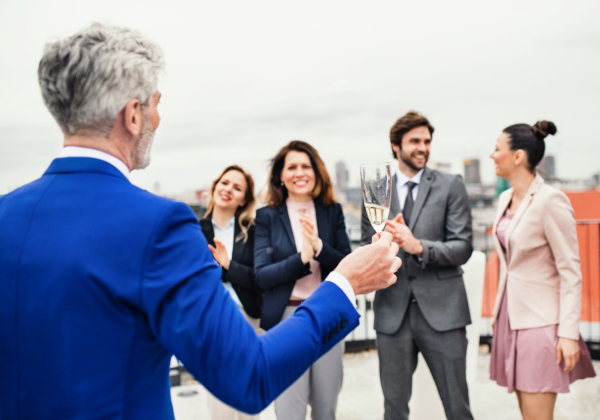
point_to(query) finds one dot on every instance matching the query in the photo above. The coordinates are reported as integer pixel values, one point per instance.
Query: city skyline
(243, 80)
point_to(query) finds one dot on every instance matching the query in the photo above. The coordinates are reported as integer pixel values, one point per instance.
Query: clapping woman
(537, 350)
(300, 238)
(229, 229)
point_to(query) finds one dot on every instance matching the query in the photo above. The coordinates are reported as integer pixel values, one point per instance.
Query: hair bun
(542, 128)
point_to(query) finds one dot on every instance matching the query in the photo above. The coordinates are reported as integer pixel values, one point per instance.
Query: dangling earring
(283, 185)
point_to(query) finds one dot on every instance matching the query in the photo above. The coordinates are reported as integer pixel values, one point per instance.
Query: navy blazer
(241, 267)
(101, 282)
(277, 263)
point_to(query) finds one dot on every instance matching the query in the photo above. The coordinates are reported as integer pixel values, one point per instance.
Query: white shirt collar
(76, 151)
(403, 179)
(230, 224)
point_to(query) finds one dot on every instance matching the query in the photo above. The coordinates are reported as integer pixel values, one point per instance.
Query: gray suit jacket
(441, 219)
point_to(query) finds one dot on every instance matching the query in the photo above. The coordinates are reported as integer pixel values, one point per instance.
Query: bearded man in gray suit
(426, 310)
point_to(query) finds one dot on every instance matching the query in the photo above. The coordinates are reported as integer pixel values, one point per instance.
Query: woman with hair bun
(537, 350)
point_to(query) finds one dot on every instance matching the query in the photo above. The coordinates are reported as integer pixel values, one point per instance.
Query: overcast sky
(244, 78)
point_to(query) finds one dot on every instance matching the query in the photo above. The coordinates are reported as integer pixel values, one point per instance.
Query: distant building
(547, 167)
(341, 177)
(440, 166)
(472, 175)
(354, 195)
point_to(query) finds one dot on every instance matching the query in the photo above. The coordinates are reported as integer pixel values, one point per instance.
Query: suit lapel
(285, 220)
(395, 204)
(535, 186)
(207, 229)
(501, 210)
(424, 187)
(238, 246)
(322, 223)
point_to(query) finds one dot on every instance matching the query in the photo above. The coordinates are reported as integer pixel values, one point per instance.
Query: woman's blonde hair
(244, 213)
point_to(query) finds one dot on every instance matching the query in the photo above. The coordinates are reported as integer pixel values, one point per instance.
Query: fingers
(400, 218)
(212, 248)
(558, 354)
(375, 237)
(218, 243)
(385, 239)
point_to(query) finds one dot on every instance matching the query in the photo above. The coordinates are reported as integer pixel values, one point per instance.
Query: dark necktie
(408, 203)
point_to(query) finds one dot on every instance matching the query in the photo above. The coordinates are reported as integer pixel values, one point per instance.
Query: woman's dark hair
(530, 139)
(276, 193)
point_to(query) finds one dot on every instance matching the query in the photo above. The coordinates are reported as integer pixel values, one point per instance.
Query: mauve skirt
(525, 360)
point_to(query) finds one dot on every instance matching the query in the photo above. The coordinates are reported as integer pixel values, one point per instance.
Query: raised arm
(193, 317)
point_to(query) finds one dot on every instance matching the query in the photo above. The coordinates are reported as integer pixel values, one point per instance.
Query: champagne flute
(376, 180)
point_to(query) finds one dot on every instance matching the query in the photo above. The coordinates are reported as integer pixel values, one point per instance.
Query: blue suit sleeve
(192, 315)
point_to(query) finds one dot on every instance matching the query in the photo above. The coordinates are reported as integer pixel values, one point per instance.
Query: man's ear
(396, 149)
(132, 117)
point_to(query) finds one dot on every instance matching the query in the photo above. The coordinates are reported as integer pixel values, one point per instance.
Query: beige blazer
(541, 271)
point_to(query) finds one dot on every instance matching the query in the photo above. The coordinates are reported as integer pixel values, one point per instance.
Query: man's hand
(372, 267)
(220, 253)
(403, 236)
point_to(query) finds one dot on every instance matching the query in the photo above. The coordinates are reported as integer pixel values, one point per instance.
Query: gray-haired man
(101, 282)
(426, 310)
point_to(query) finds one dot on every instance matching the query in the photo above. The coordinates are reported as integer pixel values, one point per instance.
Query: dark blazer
(240, 273)
(441, 220)
(101, 282)
(277, 263)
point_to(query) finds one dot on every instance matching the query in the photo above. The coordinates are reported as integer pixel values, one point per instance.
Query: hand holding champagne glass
(376, 180)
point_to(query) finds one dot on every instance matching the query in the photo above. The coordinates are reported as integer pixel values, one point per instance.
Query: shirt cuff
(340, 281)
(319, 249)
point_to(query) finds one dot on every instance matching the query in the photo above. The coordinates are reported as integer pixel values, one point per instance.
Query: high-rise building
(341, 176)
(472, 175)
(547, 167)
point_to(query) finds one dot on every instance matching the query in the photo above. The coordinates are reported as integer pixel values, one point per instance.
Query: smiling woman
(300, 239)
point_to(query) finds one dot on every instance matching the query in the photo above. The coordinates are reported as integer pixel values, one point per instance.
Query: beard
(406, 158)
(144, 143)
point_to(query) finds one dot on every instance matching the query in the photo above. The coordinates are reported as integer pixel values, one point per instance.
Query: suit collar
(424, 187)
(533, 189)
(285, 218)
(81, 165)
(321, 222)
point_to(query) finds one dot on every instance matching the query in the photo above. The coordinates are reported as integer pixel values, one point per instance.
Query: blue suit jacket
(101, 282)
(277, 263)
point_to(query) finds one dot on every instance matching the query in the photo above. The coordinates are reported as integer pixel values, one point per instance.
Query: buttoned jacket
(541, 269)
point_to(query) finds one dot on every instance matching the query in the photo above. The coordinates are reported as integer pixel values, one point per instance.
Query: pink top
(307, 284)
(503, 227)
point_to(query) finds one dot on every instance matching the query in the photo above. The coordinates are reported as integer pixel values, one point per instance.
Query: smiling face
(414, 153)
(298, 176)
(230, 191)
(503, 157)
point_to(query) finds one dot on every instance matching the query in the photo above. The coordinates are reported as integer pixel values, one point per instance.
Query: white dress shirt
(402, 188)
(226, 237)
(76, 151)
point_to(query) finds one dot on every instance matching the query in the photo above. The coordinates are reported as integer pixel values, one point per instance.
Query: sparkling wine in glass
(376, 180)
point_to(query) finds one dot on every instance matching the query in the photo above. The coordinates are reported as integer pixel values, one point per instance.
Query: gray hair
(88, 78)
